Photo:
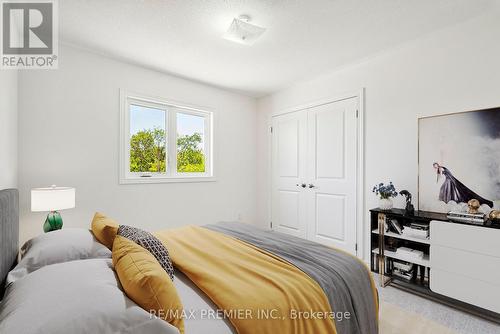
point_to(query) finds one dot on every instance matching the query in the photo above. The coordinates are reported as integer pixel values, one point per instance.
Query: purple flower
(385, 191)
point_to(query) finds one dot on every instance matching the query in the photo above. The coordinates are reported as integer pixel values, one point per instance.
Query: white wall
(456, 69)
(68, 135)
(8, 129)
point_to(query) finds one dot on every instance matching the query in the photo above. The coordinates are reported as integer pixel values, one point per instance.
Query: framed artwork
(458, 160)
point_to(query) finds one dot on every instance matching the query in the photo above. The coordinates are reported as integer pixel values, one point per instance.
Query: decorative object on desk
(52, 199)
(448, 174)
(409, 209)
(385, 193)
(468, 218)
(494, 218)
(473, 206)
(385, 204)
(494, 215)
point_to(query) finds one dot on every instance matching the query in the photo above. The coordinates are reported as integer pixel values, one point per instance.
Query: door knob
(311, 185)
(303, 185)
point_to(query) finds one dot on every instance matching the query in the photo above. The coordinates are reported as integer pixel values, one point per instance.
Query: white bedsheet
(77, 297)
(200, 311)
(84, 297)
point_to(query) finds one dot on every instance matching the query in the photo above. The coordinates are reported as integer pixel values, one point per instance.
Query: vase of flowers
(385, 193)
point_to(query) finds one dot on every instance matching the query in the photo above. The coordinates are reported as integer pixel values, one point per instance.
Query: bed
(82, 293)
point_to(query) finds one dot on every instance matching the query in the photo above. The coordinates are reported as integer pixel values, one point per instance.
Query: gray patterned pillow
(151, 243)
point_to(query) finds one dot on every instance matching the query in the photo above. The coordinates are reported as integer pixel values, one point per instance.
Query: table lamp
(52, 199)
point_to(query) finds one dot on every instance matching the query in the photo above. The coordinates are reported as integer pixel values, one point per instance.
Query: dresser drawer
(469, 238)
(468, 264)
(472, 291)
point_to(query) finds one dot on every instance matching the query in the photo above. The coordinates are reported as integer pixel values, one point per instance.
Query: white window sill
(181, 179)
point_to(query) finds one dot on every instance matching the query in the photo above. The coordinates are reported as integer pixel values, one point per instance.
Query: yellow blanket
(259, 292)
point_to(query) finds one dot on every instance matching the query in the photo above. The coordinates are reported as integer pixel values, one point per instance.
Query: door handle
(311, 186)
(303, 185)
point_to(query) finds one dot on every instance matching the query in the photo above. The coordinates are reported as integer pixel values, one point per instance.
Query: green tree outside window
(148, 152)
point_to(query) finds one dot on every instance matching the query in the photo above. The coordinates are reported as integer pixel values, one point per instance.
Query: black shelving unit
(381, 258)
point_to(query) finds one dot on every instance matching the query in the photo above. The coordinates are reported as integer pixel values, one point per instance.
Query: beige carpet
(394, 320)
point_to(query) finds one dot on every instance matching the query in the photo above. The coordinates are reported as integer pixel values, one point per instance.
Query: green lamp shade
(53, 222)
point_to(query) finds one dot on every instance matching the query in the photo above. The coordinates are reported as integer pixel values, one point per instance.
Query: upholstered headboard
(9, 233)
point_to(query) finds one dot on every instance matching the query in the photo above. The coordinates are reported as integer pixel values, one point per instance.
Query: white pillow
(58, 246)
(75, 297)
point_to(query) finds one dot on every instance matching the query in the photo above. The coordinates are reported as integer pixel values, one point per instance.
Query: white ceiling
(304, 38)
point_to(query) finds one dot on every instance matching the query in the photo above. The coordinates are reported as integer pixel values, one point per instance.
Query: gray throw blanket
(344, 279)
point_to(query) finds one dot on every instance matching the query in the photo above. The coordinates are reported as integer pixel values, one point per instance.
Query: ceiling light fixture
(243, 32)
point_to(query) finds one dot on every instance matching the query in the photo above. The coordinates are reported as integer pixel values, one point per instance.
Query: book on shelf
(406, 275)
(410, 252)
(403, 265)
(416, 233)
(419, 226)
(396, 227)
(469, 218)
(403, 269)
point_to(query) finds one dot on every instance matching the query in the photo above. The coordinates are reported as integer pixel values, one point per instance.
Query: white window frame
(171, 109)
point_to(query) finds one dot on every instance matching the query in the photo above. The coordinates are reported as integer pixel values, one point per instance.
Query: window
(147, 141)
(164, 142)
(190, 143)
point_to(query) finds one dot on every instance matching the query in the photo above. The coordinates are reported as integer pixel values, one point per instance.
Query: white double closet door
(314, 172)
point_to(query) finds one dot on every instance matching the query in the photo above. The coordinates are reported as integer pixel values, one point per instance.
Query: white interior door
(289, 173)
(331, 174)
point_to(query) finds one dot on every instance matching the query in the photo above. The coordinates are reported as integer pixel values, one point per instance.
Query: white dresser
(465, 263)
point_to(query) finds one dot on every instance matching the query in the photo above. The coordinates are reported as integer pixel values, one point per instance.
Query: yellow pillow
(104, 229)
(146, 282)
